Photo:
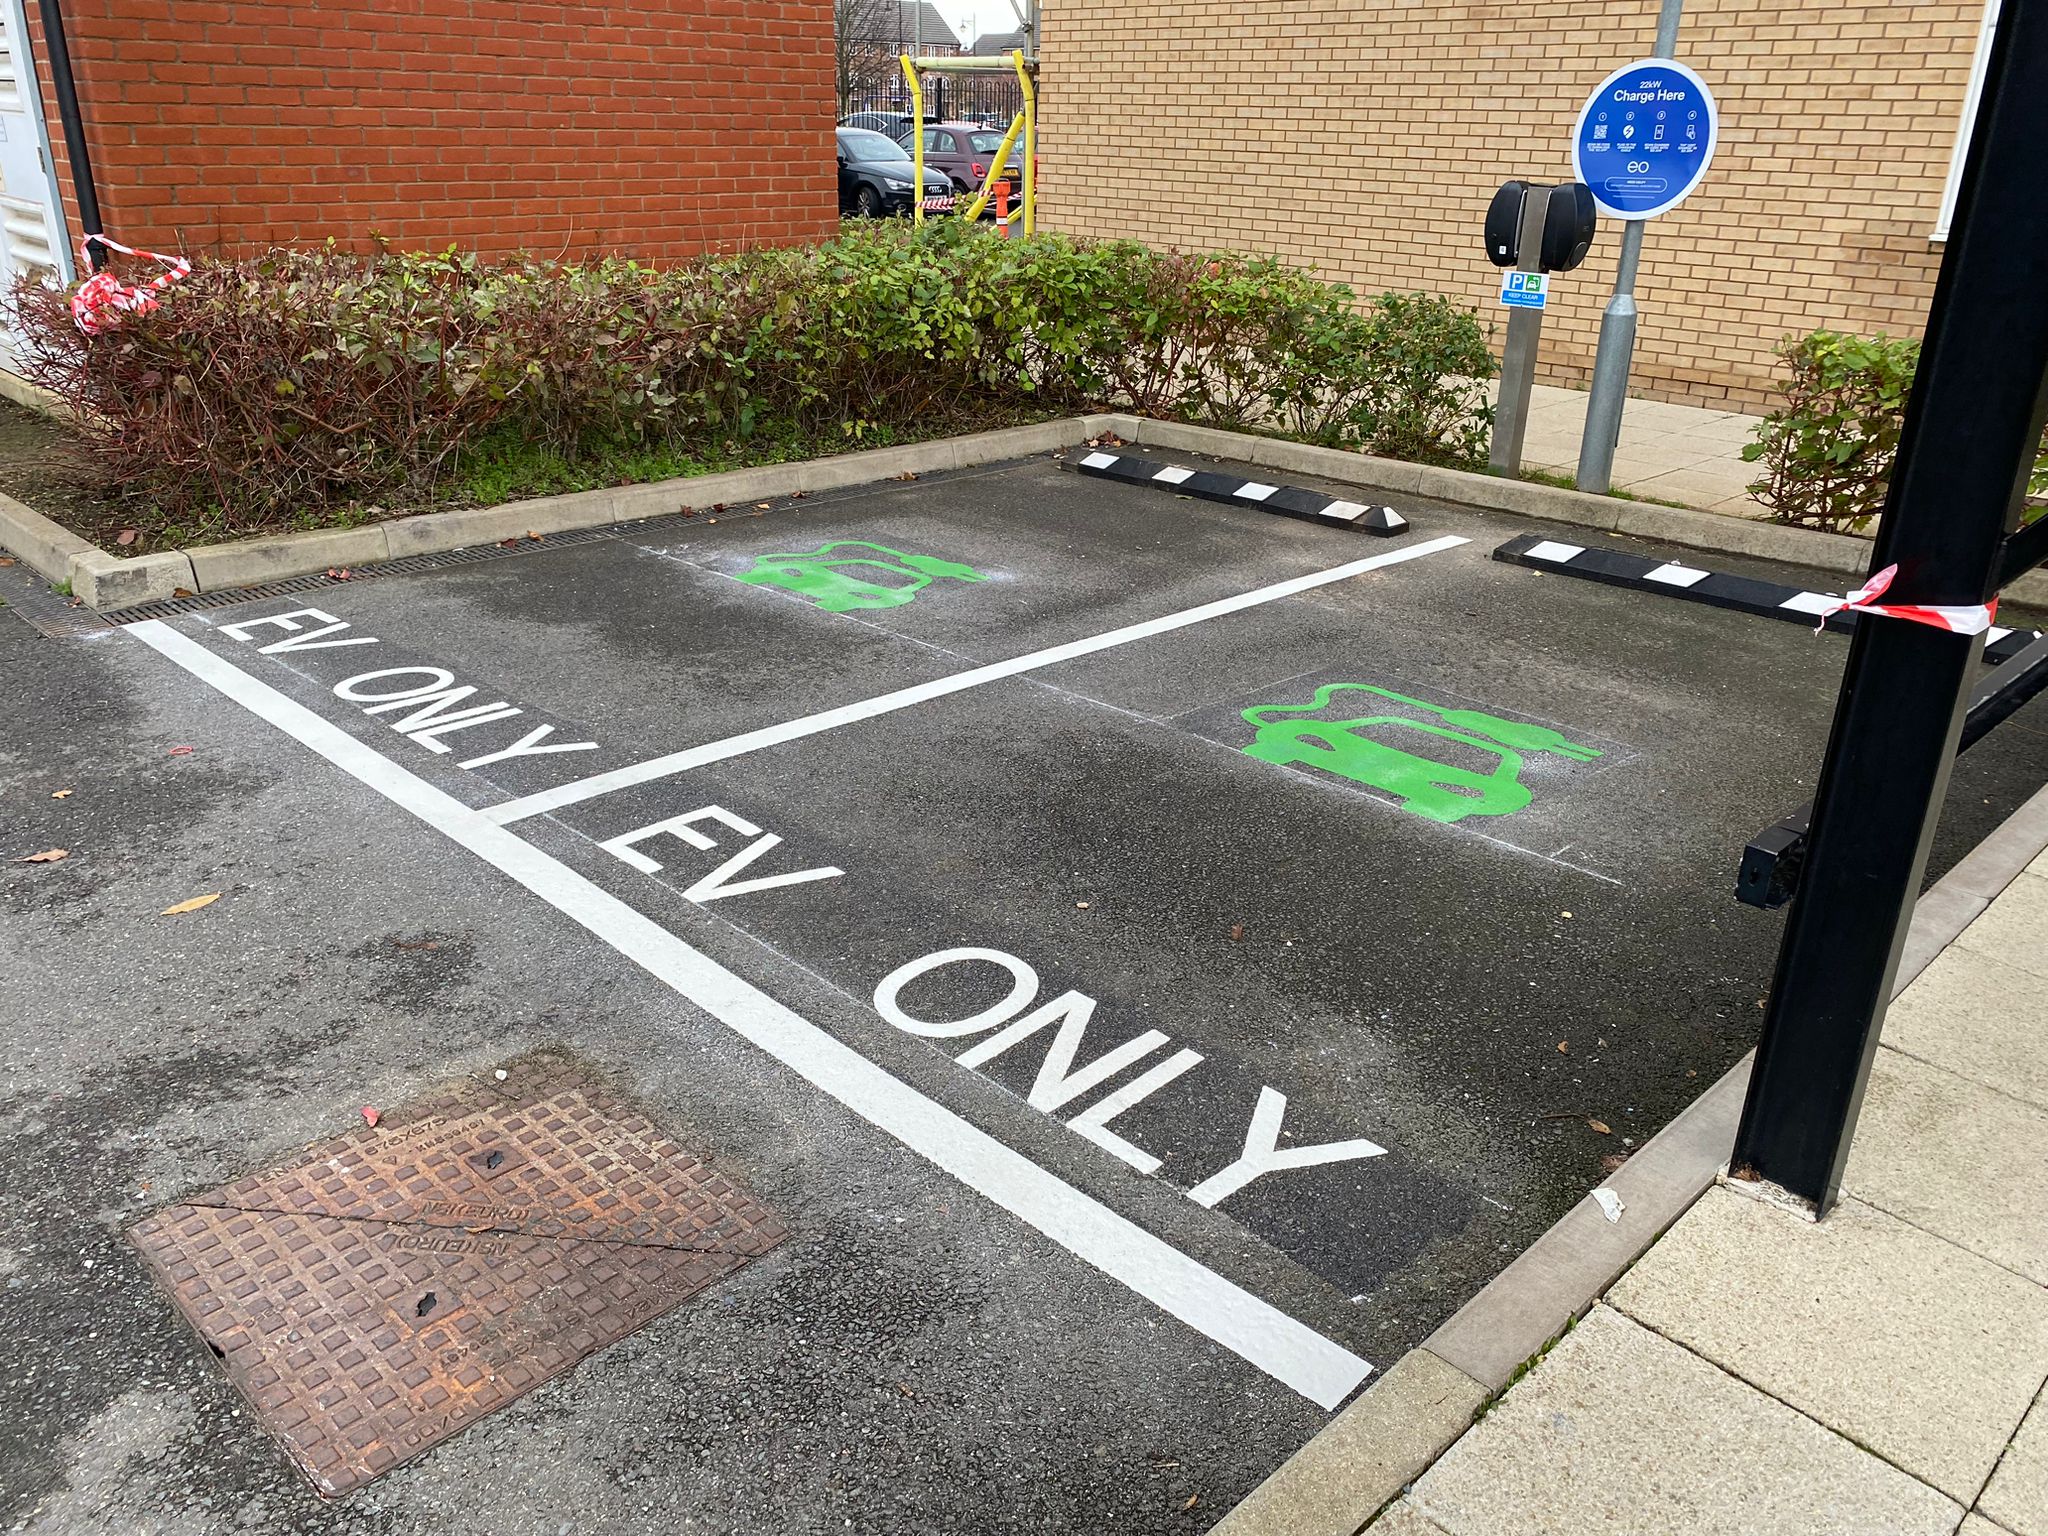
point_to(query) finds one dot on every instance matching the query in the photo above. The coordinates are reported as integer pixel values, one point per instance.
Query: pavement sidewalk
(1878, 1373)
(1684, 453)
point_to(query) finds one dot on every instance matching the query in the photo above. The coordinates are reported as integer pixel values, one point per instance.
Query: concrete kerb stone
(248, 562)
(105, 582)
(1565, 1272)
(1371, 1451)
(47, 547)
(432, 533)
(51, 549)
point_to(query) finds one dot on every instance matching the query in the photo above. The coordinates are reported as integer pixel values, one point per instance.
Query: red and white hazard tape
(103, 298)
(1970, 619)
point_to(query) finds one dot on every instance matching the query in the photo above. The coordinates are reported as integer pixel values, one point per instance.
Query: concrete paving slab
(2017, 1496)
(1402, 1518)
(1977, 1525)
(1549, 1284)
(1696, 486)
(1932, 1355)
(1621, 1430)
(1956, 1159)
(1938, 917)
(2013, 930)
(1976, 1015)
(1374, 1448)
(1995, 863)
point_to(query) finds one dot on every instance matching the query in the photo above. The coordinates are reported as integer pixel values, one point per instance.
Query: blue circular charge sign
(1645, 138)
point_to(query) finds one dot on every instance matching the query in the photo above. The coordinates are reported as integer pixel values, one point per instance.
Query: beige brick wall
(1363, 138)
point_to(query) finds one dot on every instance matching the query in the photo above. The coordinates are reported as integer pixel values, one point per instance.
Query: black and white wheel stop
(1236, 491)
(1690, 583)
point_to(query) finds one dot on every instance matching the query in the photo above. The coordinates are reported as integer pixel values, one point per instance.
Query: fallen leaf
(338, 573)
(62, 794)
(126, 536)
(798, 495)
(6, 559)
(908, 474)
(711, 522)
(905, 1390)
(1237, 930)
(1600, 1126)
(1564, 914)
(533, 536)
(179, 752)
(191, 906)
(76, 602)
(1080, 906)
(1190, 1503)
(1564, 1046)
(763, 505)
(181, 591)
(371, 1114)
(1612, 1161)
(47, 856)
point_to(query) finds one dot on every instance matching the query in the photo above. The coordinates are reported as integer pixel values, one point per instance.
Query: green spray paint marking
(827, 579)
(1425, 787)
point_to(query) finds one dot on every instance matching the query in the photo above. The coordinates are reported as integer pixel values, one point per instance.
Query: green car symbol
(1423, 786)
(827, 578)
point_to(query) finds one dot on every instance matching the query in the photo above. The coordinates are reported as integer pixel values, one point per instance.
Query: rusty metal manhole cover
(396, 1284)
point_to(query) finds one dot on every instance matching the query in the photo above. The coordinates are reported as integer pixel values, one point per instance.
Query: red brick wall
(654, 130)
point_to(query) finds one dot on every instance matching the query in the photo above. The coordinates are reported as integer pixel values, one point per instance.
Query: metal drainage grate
(404, 565)
(394, 1285)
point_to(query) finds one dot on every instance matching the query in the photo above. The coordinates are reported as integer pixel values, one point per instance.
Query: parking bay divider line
(1287, 1350)
(671, 763)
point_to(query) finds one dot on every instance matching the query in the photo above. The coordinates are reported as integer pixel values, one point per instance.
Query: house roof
(997, 42)
(934, 32)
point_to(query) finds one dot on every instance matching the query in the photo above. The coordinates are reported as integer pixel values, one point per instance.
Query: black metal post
(75, 150)
(1972, 425)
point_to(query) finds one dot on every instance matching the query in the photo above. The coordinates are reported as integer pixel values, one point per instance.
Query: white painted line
(1251, 490)
(1550, 549)
(1322, 1371)
(1099, 460)
(903, 698)
(1672, 574)
(1173, 474)
(1815, 603)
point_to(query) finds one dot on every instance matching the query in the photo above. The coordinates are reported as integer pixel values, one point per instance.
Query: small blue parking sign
(1524, 290)
(1645, 138)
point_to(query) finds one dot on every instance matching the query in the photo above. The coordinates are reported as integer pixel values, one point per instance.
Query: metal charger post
(1518, 357)
(1609, 391)
(1973, 424)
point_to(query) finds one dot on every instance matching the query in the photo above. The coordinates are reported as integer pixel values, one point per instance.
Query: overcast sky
(971, 18)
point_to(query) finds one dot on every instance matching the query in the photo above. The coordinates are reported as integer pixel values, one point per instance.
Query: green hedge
(304, 385)
(1828, 453)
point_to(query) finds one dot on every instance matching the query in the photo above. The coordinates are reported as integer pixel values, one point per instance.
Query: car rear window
(862, 145)
(985, 143)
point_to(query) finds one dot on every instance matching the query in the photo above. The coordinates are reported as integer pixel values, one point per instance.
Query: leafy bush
(304, 385)
(1828, 453)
